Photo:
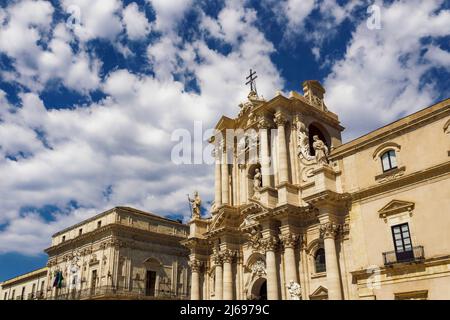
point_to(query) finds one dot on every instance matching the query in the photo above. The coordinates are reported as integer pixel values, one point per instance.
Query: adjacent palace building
(297, 215)
(122, 253)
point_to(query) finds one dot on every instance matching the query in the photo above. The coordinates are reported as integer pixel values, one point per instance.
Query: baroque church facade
(298, 214)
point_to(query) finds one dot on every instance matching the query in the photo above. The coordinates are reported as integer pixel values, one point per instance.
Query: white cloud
(136, 23)
(379, 78)
(169, 13)
(296, 12)
(98, 18)
(438, 56)
(22, 39)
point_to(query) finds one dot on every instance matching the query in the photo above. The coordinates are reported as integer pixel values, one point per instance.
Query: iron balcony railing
(417, 254)
(112, 292)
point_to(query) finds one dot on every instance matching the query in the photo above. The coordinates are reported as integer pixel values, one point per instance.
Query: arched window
(388, 160)
(319, 261)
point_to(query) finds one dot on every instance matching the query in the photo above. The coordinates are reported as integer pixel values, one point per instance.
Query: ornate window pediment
(321, 293)
(390, 168)
(394, 207)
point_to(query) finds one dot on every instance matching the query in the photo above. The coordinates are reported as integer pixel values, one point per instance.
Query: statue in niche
(294, 290)
(73, 269)
(196, 204)
(257, 183)
(321, 150)
(257, 179)
(303, 143)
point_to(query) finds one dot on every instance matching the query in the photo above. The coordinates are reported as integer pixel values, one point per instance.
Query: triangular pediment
(320, 292)
(394, 207)
(225, 123)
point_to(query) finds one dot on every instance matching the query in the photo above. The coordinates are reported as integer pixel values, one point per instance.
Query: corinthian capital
(270, 243)
(329, 230)
(217, 258)
(280, 119)
(264, 123)
(289, 240)
(195, 265)
(227, 256)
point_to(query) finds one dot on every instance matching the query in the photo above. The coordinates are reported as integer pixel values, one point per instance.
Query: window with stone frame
(389, 160)
(319, 261)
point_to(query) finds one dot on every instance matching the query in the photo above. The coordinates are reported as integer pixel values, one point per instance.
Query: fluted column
(270, 245)
(264, 126)
(219, 278)
(224, 169)
(217, 178)
(283, 175)
(329, 231)
(227, 275)
(195, 279)
(289, 242)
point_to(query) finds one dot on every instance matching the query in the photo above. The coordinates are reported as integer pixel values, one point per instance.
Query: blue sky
(91, 90)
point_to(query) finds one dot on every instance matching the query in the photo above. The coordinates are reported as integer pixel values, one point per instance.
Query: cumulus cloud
(22, 39)
(136, 23)
(379, 78)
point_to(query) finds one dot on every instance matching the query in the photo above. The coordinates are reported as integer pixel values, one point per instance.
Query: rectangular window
(63, 238)
(402, 242)
(6, 296)
(99, 224)
(80, 232)
(389, 160)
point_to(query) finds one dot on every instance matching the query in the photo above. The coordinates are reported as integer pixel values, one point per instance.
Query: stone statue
(321, 150)
(196, 205)
(303, 142)
(294, 290)
(257, 182)
(73, 270)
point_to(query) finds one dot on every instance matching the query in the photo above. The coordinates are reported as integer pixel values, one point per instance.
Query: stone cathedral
(300, 215)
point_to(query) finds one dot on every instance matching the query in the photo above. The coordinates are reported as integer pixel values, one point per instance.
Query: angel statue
(294, 290)
(321, 150)
(257, 182)
(196, 205)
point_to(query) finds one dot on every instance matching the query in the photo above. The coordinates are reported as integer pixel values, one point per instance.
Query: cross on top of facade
(251, 80)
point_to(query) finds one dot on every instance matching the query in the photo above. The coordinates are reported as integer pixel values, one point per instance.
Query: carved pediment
(319, 293)
(394, 207)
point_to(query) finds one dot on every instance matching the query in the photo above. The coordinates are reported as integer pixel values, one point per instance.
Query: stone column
(328, 231)
(264, 126)
(227, 275)
(195, 279)
(304, 278)
(289, 242)
(225, 187)
(219, 278)
(270, 245)
(283, 175)
(217, 178)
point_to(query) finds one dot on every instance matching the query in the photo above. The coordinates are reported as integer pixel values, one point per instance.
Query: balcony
(416, 255)
(111, 292)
